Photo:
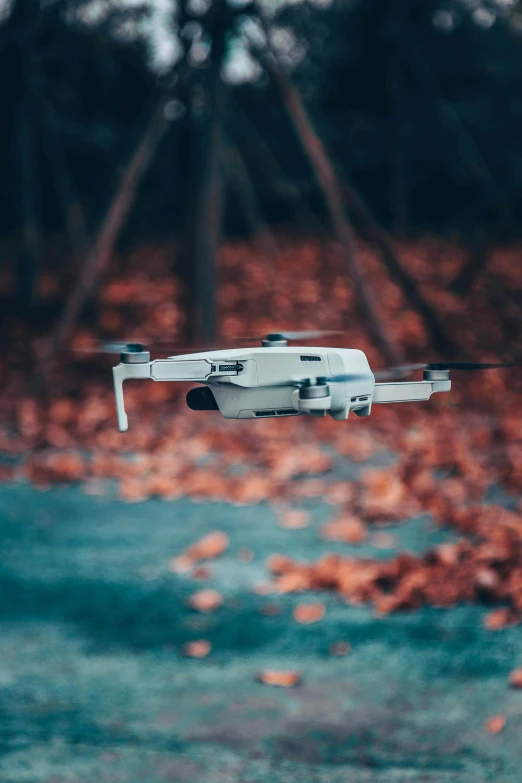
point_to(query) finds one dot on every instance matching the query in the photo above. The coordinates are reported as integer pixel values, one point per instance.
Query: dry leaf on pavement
(496, 724)
(206, 600)
(295, 518)
(308, 613)
(515, 679)
(197, 649)
(279, 679)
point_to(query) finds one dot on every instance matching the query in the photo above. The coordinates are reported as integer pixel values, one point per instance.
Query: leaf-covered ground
(145, 640)
(449, 452)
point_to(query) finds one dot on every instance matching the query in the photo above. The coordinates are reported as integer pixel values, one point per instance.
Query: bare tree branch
(66, 190)
(265, 160)
(332, 192)
(239, 179)
(29, 207)
(476, 261)
(440, 338)
(207, 101)
(208, 227)
(103, 247)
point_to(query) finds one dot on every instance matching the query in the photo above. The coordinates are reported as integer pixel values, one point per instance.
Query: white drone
(281, 380)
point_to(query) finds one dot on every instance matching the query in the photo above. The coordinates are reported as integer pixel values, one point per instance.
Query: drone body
(275, 380)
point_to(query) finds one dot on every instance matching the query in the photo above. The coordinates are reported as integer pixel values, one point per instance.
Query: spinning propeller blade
(308, 335)
(110, 347)
(394, 373)
(311, 334)
(467, 365)
(323, 380)
(116, 346)
(346, 378)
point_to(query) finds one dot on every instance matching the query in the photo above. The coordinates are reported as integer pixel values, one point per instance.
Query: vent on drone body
(280, 412)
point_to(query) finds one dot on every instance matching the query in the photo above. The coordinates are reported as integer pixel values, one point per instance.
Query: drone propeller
(118, 346)
(399, 371)
(467, 365)
(109, 347)
(307, 335)
(274, 337)
(346, 378)
(326, 379)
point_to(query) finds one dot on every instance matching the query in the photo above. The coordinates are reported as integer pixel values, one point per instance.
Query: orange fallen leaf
(210, 546)
(252, 489)
(205, 600)
(496, 724)
(349, 530)
(497, 620)
(515, 679)
(279, 679)
(309, 488)
(383, 494)
(164, 486)
(294, 519)
(277, 563)
(308, 613)
(197, 649)
(384, 540)
(62, 467)
(133, 490)
(340, 493)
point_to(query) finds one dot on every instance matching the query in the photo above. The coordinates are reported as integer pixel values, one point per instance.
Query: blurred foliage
(416, 101)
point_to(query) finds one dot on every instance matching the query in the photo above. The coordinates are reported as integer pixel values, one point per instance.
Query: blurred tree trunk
(476, 261)
(185, 266)
(208, 127)
(29, 208)
(64, 185)
(373, 231)
(208, 211)
(104, 244)
(241, 183)
(331, 188)
(508, 309)
(399, 158)
(67, 193)
(260, 155)
(188, 156)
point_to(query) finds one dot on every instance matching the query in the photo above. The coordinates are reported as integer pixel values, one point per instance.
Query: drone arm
(406, 391)
(158, 370)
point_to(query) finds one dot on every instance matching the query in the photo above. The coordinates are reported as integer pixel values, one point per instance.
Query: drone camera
(201, 399)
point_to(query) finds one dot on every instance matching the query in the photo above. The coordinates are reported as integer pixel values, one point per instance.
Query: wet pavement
(94, 686)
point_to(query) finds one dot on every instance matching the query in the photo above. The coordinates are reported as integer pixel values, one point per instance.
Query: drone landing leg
(121, 373)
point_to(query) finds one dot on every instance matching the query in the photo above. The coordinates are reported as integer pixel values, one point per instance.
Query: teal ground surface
(93, 686)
